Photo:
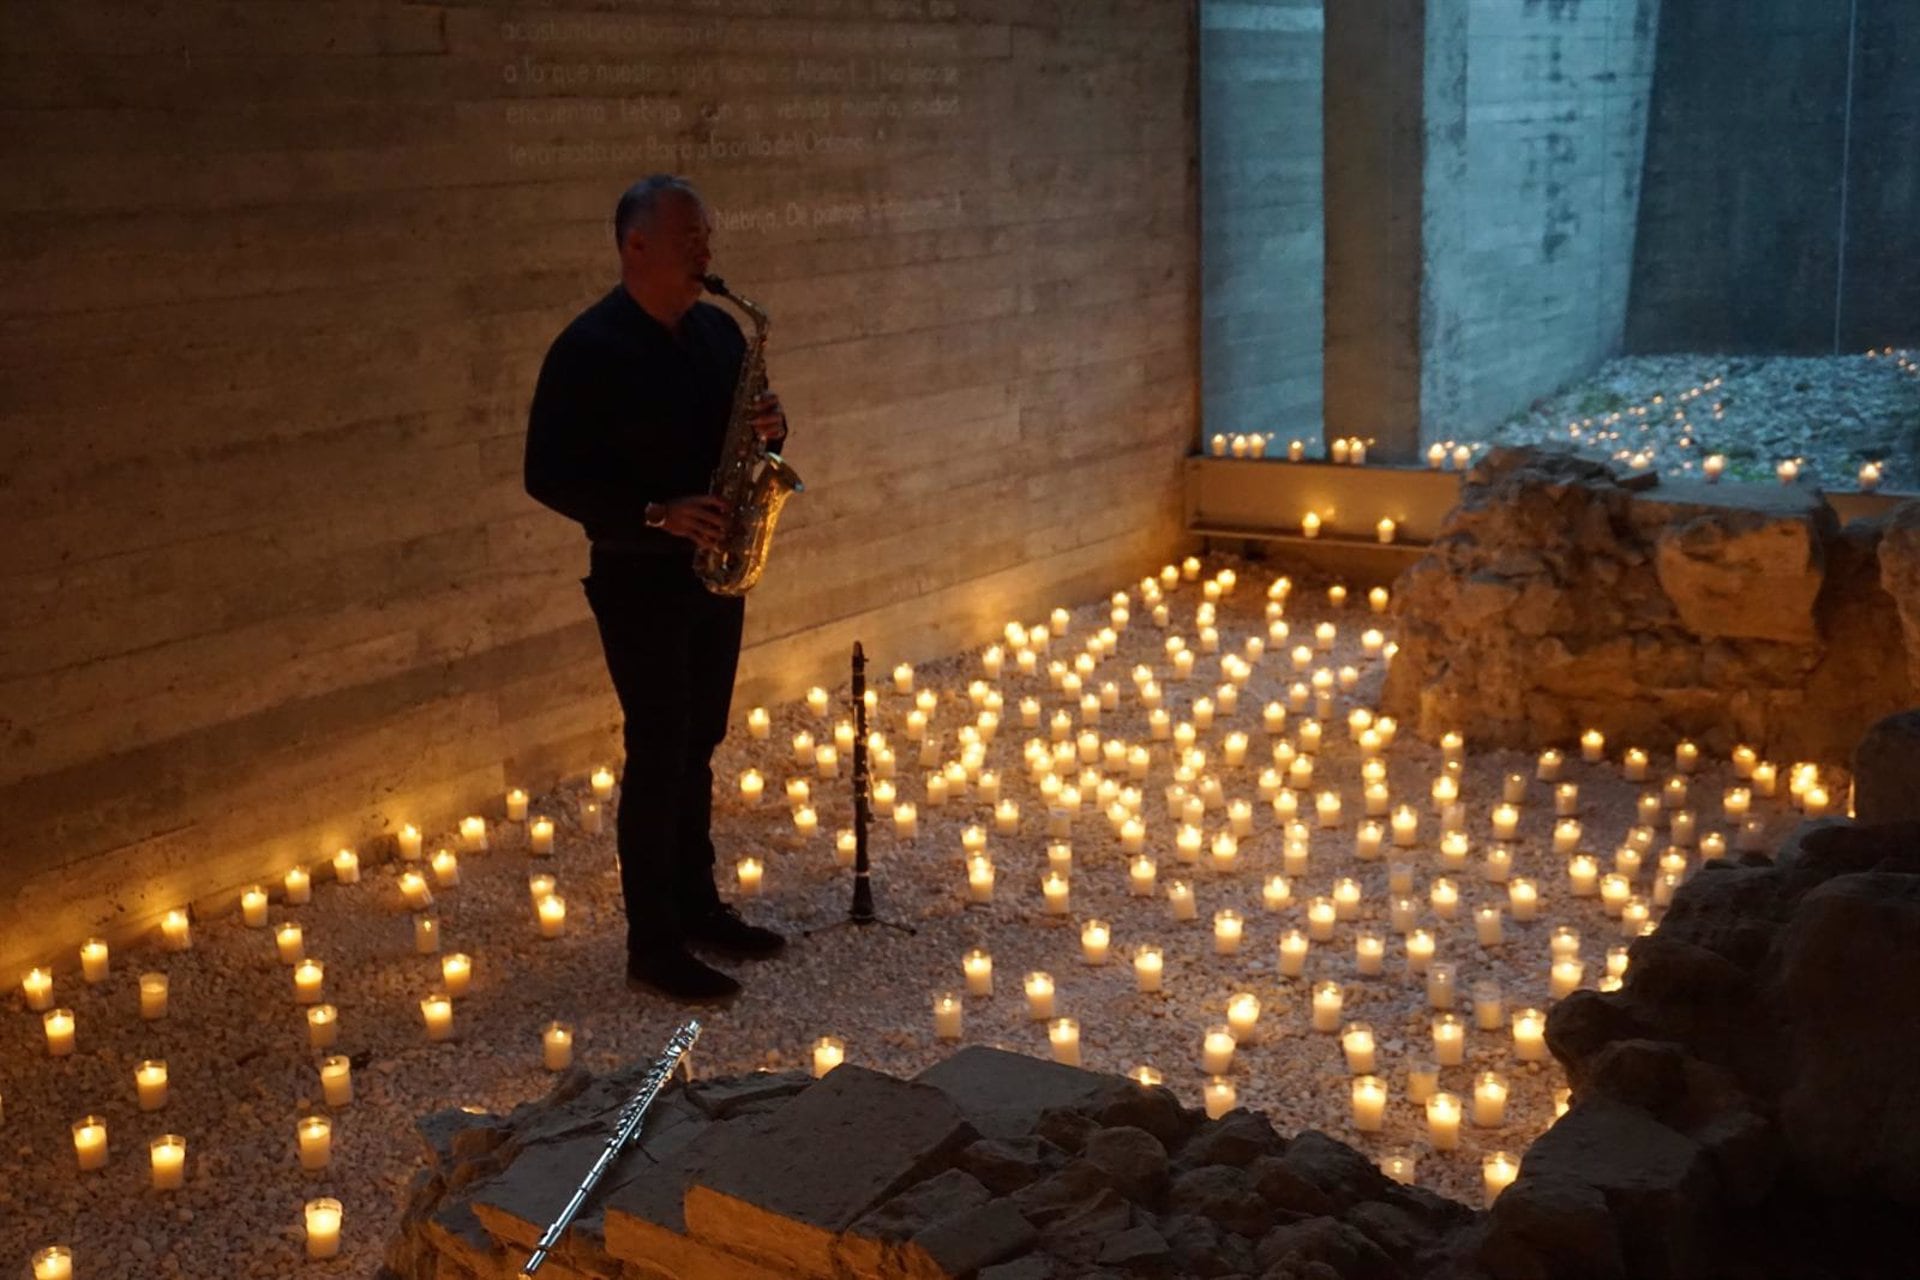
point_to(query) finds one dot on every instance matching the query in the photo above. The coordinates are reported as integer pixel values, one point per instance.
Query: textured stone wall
(1556, 599)
(280, 276)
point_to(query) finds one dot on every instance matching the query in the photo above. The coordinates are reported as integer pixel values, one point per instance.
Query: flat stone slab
(1002, 1094)
(854, 1139)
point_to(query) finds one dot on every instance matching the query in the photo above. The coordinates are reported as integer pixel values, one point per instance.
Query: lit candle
(1356, 1042)
(446, 868)
(1220, 1096)
(37, 987)
(336, 1080)
(553, 916)
(1869, 477)
(1530, 1035)
(473, 832)
(308, 979)
(1566, 836)
(1564, 942)
(168, 1155)
(1593, 746)
(1449, 1040)
(426, 935)
(1402, 911)
(1369, 952)
(1326, 1006)
(1063, 1034)
(1385, 529)
(1564, 976)
(1369, 1100)
(1310, 524)
(1497, 1172)
(1514, 789)
(90, 1142)
(1614, 892)
(978, 967)
(1321, 916)
(556, 1046)
(59, 1026)
(436, 1010)
(94, 960)
(1443, 1121)
(1489, 1100)
(1444, 897)
(314, 1134)
(750, 872)
(1180, 900)
(1712, 465)
(414, 891)
(1216, 1051)
(456, 973)
(906, 821)
(1548, 767)
(1243, 1016)
(153, 996)
(323, 1227)
(1148, 966)
(1419, 946)
(1583, 875)
(1506, 821)
(1489, 1010)
(1054, 889)
(323, 1026)
(1441, 987)
(1486, 926)
(176, 931)
(1765, 778)
(1523, 898)
(55, 1262)
(1094, 937)
(253, 907)
(1039, 988)
(150, 1083)
(1226, 932)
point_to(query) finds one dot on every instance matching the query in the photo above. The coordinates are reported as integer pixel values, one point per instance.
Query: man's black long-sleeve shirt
(627, 412)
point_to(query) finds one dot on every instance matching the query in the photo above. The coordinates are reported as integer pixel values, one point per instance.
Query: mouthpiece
(715, 285)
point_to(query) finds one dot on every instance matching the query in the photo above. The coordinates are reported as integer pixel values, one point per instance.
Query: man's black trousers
(672, 648)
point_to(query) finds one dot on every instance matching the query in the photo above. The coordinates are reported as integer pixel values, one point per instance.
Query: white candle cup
(150, 1084)
(336, 1080)
(436, 1011)
(1419, 945)
(1326, 1007)
(426, 935)
(1489, 1008)
(346, 867)
(1369, 953)
(298, 886)
(1487, 926)
(1530, 1035)
(1523, 899)
(473, 833)
(1369, 1102)
(1442, 986)
(176, 931)
(408, 842)
(977, 965)
(553, 916)
(323, 1217)
(153, 996)
(54, 1262)
(1443, 1121)
(1449, 1040)
(446, 868)
(323, 1026)
(90, 1143)
(1220, 1097)
(947, 1016)
(456, 974)
(289, 941)
(37, 988)
(1489, 1100)
(1148, 968)
(1063, 1035)
(556, 1046)
(167, 1155)
(1497, 1172)
(313, 1136)
(253, 907)
(95, 960)
(1039, 991)
(1293, 948)
(1216, 1050)
(1356, 1043)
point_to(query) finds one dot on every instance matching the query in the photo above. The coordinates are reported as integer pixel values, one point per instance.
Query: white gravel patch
(242, 1074)
(1832, 413)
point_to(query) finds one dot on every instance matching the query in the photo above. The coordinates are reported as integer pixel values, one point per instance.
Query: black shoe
(681, 976)
(721, 929)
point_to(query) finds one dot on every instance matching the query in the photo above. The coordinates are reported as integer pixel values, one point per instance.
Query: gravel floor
(242, 1075)
(1833, 413)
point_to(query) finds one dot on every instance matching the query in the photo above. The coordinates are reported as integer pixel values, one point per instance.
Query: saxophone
(754, 480)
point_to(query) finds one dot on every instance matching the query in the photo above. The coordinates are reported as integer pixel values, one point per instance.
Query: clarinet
(862, 883)
(631, 1116)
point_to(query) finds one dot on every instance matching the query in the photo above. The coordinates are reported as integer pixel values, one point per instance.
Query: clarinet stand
(862, 910)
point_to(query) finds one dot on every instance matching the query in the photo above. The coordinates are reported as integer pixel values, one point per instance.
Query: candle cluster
(1255, 821)
(413, 897)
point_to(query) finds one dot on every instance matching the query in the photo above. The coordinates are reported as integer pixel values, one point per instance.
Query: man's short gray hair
(640, 201)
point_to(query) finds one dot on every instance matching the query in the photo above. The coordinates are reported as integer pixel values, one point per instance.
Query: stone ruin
(1558, 597)
(1744, 1106)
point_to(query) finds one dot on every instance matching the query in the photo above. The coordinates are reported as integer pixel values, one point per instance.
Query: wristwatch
(655, 514)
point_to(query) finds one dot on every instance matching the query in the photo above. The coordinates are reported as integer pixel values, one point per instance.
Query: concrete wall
(1536, 116)
(1757, 182)
(1260, 209)
(1375, 155)
(280, 276)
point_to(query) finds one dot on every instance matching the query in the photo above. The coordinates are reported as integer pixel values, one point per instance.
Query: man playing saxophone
(625, 430)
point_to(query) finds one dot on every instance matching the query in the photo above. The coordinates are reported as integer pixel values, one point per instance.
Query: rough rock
(1555, 599)
(1886, 770)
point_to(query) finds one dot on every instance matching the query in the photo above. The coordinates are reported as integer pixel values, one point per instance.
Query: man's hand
(699, 517)
(768, 419)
